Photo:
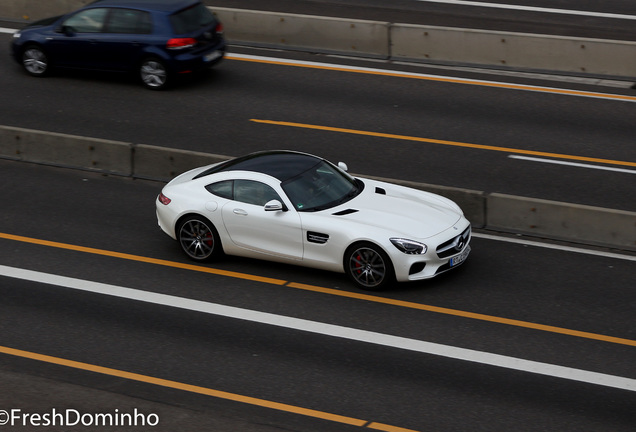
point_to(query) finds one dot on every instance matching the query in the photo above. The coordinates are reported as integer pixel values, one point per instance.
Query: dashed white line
(326, 329)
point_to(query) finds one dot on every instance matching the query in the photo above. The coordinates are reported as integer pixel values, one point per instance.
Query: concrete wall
(442, 45)
(556, 220)
(541, 218)
(33, 10)
(513, 50)
(305, 32)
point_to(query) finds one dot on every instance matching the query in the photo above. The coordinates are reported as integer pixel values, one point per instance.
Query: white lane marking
(532, 9)
(326, 329)
(574, 164)
(7, 30)
(554, 246)
(442, 78)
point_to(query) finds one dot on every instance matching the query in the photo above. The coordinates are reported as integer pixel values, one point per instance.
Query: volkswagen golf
(155, 39)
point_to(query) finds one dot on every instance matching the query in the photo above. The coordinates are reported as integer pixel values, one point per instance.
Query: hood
(407, 212)
(44, 22)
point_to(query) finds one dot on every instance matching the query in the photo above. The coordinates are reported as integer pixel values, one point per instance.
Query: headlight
(409, 247)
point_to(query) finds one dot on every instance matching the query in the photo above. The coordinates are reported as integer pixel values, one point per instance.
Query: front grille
(455, 245)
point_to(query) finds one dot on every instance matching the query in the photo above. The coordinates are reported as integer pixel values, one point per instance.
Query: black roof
(281, 164)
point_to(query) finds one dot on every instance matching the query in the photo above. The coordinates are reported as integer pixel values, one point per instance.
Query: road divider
(493, 211)
(525, 51)
(397, 41)
(306, 32)
(430, 44)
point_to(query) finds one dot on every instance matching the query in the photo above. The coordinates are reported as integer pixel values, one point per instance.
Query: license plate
(212, 56)
(457, 260)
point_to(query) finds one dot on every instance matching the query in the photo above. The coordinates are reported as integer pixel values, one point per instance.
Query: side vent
(380, 191)
(345, 212)
(315, 237)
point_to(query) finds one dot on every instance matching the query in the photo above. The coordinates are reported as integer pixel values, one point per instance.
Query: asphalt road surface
(522, 336)
(98, 313)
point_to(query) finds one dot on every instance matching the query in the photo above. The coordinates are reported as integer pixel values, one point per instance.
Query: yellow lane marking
(195, 389)
(143, 259)
(330, 291)
(368, 71)
(463, 314)
(443, 142)
(387, 428)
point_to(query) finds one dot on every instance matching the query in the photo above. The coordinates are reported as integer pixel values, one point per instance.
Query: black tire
(369, 267)
(153, 74)
(35, 61)
(198, 238)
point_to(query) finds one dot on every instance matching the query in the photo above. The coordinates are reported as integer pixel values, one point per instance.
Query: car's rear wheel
(35, 61)
(369, 267)
(153, 74)
(198, 238)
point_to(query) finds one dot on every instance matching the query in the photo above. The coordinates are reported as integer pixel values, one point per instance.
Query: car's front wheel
(35, 61)
(153, 74)
(198, 238)
(369, 267)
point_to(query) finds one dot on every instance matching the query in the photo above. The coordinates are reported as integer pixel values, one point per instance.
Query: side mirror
(274, 205)
(67, 30)
(343, 166)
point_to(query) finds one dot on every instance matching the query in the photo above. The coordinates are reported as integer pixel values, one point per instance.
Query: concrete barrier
(564, 221)
(305, 32)
(513, 50)
(66, 150)
(541, 218)
(159, 163)
(33, 10)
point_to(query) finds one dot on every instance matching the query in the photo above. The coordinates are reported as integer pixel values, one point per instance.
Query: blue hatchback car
(156, 39)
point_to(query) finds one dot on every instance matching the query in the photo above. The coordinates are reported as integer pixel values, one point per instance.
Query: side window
(253, 192)
(129, 21)
(222, 189)
(88, 21)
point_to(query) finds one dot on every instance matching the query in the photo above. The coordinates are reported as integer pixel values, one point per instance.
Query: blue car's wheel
(154, 74)
(35, 61)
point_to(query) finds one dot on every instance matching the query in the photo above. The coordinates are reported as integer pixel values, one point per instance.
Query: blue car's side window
(87, 21)
(129, 21)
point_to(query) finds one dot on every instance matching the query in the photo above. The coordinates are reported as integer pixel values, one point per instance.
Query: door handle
(240, 212)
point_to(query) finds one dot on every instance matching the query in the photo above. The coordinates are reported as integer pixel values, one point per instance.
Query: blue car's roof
(156, 5)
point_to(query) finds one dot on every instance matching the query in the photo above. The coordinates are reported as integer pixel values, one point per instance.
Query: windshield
(321, 187)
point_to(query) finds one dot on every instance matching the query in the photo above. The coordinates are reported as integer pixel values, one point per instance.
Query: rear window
(192, 19)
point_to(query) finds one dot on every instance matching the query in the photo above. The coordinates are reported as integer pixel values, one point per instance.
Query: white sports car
(297, 208)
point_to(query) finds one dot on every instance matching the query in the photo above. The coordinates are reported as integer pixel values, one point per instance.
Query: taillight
(164, 199)
(181, 43)
(219, 28)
